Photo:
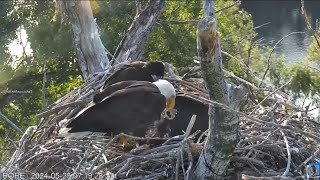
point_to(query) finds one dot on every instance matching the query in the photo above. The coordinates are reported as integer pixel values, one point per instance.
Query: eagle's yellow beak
(171, 102)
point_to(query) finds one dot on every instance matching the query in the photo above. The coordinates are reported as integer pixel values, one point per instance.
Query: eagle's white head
(167, 89)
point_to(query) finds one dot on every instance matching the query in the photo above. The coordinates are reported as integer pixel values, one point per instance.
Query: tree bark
(91, 53)
(132, 45)
(223, 125)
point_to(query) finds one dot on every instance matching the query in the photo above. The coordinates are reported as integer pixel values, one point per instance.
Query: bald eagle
(186, 107)
(139, 71)
(129, 106)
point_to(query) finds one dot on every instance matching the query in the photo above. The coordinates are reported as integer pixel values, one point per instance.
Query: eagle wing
(123, 73)
(118, 86)
(132, 109)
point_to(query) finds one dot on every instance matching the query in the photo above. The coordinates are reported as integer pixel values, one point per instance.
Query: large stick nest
(276, 141)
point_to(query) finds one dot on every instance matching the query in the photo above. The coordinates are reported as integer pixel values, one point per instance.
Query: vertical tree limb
(44, 80)
(11, 123)
(89, 48)
(223, 125)
(315, 33)
(132, 45)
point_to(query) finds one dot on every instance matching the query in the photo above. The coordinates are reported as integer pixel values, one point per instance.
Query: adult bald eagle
(130, 107)
(139, 71)
(186, 107)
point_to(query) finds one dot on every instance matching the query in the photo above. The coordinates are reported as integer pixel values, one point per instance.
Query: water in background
(284, 17)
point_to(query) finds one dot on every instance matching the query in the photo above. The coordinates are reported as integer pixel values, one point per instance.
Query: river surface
(284, 17)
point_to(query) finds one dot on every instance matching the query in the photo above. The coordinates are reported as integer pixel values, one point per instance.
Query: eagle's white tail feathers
(64, 131)
(64, 123)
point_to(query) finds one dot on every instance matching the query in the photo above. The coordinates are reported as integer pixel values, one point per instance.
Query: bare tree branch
(44, 80)
(269, 62)
(89, 48)
(57, 109)
(286, 172)
(138, 6)
(223, 125)
(309, 25)
(237, 3)
(132, 45)
(11, 123)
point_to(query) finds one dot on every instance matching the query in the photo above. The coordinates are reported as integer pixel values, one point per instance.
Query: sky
(16, 46)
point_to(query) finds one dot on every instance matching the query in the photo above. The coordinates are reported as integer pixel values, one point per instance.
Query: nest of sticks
(277, 142)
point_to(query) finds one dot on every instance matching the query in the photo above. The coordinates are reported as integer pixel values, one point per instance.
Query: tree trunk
(89, 48)
(223, 125)
(132, 45)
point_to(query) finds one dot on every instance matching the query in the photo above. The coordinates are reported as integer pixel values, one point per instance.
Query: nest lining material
(275, 142)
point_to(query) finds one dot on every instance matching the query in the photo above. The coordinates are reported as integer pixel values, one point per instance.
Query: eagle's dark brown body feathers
(139, 71)
(128, 106)
(186, 107)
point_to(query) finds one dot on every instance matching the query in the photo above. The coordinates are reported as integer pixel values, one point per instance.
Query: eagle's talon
(125, 144)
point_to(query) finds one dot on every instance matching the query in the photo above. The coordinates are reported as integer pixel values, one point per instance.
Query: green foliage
(52, 52)
(314, 52)
(278, 71)
(57, 90)
(175, 43)
(302, 80)
(306, 77)
(113, 19)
